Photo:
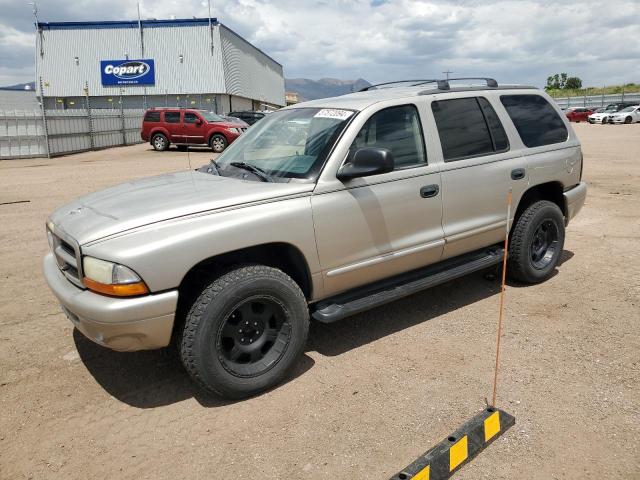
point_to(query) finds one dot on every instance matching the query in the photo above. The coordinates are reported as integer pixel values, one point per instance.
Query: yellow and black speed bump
(464, 444)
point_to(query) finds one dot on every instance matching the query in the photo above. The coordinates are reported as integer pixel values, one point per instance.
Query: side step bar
(371, 296)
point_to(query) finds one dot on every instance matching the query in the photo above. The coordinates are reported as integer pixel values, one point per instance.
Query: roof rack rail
(414, 82)
(442, 84)
(490, 81)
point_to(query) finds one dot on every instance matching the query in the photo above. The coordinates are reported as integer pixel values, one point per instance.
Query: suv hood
(154, 199)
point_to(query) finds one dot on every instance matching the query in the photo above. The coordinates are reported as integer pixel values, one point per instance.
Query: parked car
(626, 115)
(604, 116)
(183, 127)
(249, 116)
(578, 114)
(329, 208)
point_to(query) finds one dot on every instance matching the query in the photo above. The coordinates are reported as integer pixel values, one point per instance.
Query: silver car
(323, 209)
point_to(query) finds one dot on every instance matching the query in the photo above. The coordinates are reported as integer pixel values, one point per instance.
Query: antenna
(447, 72)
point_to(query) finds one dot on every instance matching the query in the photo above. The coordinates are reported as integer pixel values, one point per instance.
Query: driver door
(193, 128)
(373, 227)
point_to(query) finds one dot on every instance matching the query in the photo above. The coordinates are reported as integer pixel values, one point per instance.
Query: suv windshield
(288, 144)
(210, 116)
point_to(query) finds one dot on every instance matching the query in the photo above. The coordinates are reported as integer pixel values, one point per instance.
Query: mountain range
(323, 88)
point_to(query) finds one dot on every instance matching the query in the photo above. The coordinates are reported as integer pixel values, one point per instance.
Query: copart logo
(127, 70)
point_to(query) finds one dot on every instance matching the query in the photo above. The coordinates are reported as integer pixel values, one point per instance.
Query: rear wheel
(160, 142)
(218, 143)
(245, 331)
(536, 242)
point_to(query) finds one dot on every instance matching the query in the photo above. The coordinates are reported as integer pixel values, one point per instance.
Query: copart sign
(127, 72)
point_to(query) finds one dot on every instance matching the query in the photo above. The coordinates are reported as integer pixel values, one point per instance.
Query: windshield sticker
(333, 113)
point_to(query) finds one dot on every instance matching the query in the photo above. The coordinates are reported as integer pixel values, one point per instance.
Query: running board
(379, 293)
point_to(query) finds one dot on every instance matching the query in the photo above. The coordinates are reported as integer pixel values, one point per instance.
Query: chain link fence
(46, 133)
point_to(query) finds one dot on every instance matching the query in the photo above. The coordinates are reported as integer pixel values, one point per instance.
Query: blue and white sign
(127, 72)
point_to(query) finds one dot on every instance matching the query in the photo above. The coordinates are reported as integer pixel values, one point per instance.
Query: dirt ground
(371, 393)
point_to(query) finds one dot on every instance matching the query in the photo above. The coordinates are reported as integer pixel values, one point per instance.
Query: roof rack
(414, 83)
(442, 84)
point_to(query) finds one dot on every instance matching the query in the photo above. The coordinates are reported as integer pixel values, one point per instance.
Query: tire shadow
(152, 378)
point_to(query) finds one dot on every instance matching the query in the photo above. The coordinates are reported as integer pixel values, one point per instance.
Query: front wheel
(245, 331)
(218, 143)
(627, 120)
(536, 242)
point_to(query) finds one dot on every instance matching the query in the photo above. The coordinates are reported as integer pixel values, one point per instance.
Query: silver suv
(321, 210)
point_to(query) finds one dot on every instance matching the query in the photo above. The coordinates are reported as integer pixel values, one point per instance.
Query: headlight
(111, 278)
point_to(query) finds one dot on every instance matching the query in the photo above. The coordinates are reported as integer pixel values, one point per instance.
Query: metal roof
(182, 22)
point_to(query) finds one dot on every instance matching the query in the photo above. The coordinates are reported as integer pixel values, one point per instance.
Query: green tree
(573, 83)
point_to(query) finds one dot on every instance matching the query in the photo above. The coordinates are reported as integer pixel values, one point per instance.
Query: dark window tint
(462, 128)
(190, 117)
(172, 117)
(536, 121)
(498, 135)
(152, 117)
(398, 130)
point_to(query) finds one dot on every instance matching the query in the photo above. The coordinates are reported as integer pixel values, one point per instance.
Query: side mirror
(366, 162)
(198, 122)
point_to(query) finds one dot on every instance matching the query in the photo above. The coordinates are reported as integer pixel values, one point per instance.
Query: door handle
(517, 174)
(429, 191)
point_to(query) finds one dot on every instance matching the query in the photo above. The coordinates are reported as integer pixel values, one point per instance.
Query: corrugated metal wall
(249, 73)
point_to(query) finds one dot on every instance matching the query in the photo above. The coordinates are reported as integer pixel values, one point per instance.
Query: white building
(196, 63)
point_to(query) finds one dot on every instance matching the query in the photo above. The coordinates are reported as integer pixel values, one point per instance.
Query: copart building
(195, 63)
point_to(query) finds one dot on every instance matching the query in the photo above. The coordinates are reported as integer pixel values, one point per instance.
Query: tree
(573, 83)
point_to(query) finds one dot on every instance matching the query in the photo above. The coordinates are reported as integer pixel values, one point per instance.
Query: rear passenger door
(374, 227)
(479, 167)
(174, 126)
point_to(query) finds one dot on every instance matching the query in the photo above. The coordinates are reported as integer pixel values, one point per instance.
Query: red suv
(164, 126)
(578, 114)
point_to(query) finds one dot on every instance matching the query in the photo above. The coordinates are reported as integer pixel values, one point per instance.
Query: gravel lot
(371, 393)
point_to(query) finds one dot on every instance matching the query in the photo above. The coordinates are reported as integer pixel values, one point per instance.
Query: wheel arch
(216, 132)
(551, 191)
(281, 255)
(157, 130)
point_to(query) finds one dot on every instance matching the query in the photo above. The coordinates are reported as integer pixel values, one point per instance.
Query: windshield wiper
(212, 168)
(258, 172)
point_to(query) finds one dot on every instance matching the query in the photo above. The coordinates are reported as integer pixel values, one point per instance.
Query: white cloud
(515, 41)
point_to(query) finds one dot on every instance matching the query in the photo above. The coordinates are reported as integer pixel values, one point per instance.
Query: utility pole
(447, 72)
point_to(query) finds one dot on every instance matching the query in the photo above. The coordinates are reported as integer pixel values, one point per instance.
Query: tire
(627, 120)
(159, 142)
(218, 143)
(537, 241)
(248, 304)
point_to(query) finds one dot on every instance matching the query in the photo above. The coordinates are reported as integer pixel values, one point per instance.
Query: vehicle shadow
(150, 379)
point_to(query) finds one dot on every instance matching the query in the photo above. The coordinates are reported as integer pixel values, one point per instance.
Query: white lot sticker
(333, 113)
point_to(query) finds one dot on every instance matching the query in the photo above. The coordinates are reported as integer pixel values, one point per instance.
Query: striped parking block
(464, 444)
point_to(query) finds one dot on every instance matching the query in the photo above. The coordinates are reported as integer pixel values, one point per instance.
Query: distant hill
(323, 88)
(20, 86)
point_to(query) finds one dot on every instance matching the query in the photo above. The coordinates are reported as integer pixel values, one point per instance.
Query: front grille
(67, 255)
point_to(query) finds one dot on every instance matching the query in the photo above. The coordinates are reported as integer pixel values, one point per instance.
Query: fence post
(622, 100)
(89, 117)
(44, 119)
(602, 98)
(124, 130)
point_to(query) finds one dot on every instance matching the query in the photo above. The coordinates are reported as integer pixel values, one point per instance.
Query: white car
(602, 116)
(626, 115)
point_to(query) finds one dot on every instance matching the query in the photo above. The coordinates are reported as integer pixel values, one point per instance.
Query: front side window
(535, 119)
(468, 127)
(190, 117)
(397, 129)
(289, 143)
(172, 117)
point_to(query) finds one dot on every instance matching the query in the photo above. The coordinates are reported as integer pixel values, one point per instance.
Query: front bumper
(616, 119)
(574, 200)
(123, 324)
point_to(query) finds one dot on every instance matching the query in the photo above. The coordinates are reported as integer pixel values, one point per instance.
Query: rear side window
(535, 119)
(397, 129)
(468, 127)
(172, 117)
(190, 117)
(152, 117)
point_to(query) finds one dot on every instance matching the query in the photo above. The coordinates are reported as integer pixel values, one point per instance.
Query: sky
(514, 41)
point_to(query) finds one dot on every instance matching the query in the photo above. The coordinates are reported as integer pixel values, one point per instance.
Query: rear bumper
(123, 324)
(574, 200)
